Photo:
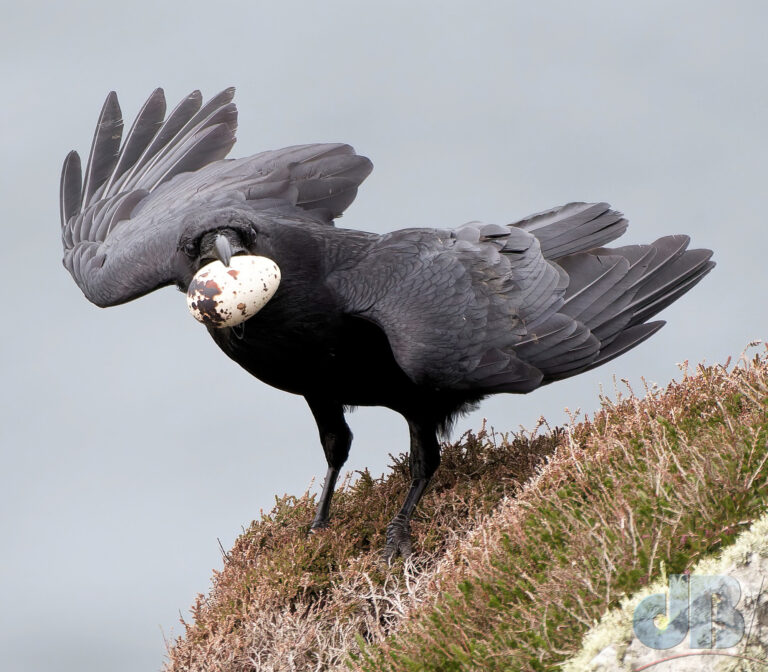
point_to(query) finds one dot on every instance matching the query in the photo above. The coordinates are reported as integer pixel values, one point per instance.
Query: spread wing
(122, 218)
(454, 303)
(507, 308)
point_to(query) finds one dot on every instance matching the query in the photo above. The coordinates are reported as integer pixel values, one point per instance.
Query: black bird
(425, 321)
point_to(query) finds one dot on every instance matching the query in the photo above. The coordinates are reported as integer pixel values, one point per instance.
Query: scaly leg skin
(398, 539)
(336, 439)
(425, 458)
(323, 507)
(399, 530)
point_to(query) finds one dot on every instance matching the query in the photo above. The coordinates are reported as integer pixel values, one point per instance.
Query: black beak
(223, 249)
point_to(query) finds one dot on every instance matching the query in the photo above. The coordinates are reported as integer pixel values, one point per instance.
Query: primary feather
(426, 321)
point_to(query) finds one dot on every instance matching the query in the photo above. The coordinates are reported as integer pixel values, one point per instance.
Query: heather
(521, 544)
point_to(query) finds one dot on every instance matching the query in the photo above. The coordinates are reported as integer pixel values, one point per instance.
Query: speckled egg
(225, 296)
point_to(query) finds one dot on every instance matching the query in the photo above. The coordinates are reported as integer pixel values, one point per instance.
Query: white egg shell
(225, 296)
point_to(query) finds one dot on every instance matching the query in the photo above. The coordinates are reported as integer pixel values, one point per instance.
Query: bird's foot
(318, 525)
(398, 539)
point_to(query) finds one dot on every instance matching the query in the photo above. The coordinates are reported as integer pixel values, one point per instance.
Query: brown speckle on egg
(225, 296)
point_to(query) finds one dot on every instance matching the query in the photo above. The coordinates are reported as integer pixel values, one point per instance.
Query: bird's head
(226, 281)
(220, 234)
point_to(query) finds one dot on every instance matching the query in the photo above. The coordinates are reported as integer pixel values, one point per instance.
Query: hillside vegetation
(521, 544)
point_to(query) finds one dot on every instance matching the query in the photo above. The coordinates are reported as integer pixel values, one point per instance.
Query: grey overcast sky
(115, 480)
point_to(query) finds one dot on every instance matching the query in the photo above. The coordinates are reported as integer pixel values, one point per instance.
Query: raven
(425, 321)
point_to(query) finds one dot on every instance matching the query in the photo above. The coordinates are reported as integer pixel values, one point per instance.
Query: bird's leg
(324, 505)
(336, 439)
(425, 458)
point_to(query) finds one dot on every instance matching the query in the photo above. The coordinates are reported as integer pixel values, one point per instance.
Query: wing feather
(490, 309)
(453, 304)
(575, 227)
(171, 127)
(203, 117)
(144, 128)
(205, 146)
(121, 228)
(105, 147)
(71, 187)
